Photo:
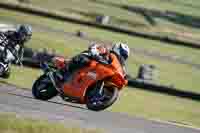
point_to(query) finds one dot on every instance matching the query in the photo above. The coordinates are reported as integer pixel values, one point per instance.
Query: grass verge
(189, 7)
(157, 106)
(89, 9)
(10, 123)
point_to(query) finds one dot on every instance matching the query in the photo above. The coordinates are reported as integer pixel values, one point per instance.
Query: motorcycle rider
(122, 51)
(99, 53)
(12, 44)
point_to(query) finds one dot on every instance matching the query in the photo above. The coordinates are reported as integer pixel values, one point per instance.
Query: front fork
(98, 92)
(101, 88)
(52, 79)
(45, 67)
(50, 75)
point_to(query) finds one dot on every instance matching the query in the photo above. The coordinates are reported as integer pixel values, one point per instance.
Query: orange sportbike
(97, 85)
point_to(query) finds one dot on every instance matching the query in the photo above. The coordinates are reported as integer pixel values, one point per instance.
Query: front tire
(6, 74)
(5, 71)
(43, 88)
(109, 97)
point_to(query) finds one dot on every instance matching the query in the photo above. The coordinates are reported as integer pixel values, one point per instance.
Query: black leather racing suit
(11, 45)
(83, 59)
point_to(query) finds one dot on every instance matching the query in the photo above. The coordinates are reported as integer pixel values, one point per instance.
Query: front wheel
(5, 71)
(6, 74)
(97, 102)
(43, 88)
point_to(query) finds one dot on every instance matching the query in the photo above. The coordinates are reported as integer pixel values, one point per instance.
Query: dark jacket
(83, 59)
(11, 41)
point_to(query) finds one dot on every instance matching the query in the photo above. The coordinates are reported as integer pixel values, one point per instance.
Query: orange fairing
(87, 76)
(118, 78)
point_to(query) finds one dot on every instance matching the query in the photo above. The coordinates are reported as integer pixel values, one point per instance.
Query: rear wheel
(43, 88)
(98, 102)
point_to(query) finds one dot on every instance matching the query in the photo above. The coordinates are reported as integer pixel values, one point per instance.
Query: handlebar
(44, 66)
(47, 67)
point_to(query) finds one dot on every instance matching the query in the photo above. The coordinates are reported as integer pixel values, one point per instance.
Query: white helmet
(121, 49)
(24, 32)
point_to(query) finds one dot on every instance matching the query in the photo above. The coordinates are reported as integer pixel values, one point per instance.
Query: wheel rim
(43, 87)
(96, 99)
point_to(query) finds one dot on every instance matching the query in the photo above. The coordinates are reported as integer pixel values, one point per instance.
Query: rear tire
(111, 93)
(43, 88)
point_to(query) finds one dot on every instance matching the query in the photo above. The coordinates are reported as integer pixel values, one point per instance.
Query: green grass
(190, 7)
(157, 106)
(86, 6)
(10, 123)
(63, 45)
(22, 77)
(126, 19)
(170, 74)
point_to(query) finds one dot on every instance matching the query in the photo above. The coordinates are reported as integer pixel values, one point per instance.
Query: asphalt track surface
(21, 102)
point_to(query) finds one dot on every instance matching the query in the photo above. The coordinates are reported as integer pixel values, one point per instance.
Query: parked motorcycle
(97, 85)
